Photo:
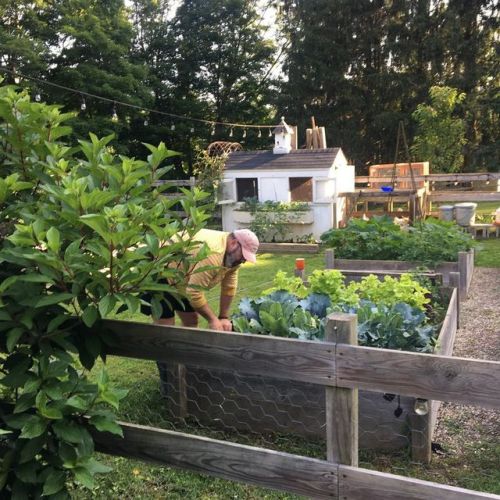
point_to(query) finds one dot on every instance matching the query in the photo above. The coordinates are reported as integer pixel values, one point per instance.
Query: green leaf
(54, 298)
(95, 467)
(90, 315)
(54, 483)
(71, 432)
(54, 239)
(32, 448)
(106, 305)
(12, 337)
(104, 424)
(34, 428)
(24, 402)
(27, 472)
(84, 477)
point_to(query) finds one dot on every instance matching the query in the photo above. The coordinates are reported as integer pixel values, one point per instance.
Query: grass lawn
(488, 253)
(138, 480)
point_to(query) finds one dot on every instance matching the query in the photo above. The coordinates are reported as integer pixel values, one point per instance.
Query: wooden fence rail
(340, 366)
(326, 363)
(272, 469)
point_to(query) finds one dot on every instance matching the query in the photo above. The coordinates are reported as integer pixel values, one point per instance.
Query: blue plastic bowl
(387, 189)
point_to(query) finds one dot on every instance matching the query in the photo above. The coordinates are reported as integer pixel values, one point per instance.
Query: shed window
(247, 188)
(301, 189)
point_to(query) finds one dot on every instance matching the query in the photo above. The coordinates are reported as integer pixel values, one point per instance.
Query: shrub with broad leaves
(83, 232)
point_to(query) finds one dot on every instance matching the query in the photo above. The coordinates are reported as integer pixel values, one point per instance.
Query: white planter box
(306, 217)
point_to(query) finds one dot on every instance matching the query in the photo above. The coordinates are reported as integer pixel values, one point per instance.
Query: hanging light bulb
(17, 80)
(191, 130)
(83, 105)
(114, 116)
(146, 122)
(259, 134)
(38, 97)
(488, 181)
(213, 129)
(244, 133)
(231, 132)
(421, 406)
(270, 133)
(172, 127)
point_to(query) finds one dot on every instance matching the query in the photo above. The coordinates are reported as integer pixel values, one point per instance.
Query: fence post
(329, 258)
(342, 404)
(454, 282)
(463, 269)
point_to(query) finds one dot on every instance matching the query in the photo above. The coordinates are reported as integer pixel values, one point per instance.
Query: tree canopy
(358, 67)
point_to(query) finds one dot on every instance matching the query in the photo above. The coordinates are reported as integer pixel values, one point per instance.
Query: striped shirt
(207, 279)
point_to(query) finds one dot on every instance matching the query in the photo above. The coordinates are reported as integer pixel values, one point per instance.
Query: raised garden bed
(464, 265)
(289, 248)
(235, 401)
(291, 217)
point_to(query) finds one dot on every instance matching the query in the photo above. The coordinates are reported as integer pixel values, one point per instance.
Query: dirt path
(478, 337)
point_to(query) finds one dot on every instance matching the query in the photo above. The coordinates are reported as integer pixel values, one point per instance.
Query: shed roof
(297, 159)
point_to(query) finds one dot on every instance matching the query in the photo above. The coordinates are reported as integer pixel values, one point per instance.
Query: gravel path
(478, 337)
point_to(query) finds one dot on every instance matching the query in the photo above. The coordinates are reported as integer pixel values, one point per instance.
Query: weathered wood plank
(463, 177)
(445, 378)
(342, 404)
(248, 464)
(448, 332)
(288, 248)
(362, 484)
(464, 196)
(307, 361)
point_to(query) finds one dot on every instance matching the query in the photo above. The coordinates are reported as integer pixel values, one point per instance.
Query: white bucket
(446, 212)
(465, 213)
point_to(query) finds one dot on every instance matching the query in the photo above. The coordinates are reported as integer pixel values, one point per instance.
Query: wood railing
(337, 364)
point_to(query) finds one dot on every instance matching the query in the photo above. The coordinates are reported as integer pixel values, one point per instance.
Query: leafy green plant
(271, 218)
(390, 291)
(391, 313)
(430, 242)
(83, 232)
(291, 284)
(398, 326)
(278, 314)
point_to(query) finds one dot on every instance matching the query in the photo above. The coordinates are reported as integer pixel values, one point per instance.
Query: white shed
(315, 176)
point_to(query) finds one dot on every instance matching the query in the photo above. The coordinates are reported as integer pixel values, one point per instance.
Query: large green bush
(83, 232)
(431, 241)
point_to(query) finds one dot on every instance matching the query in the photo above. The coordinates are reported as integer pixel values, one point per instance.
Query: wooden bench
(485, 230)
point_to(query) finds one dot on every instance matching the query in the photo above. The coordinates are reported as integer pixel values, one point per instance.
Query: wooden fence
(340, 366)
(357, 267)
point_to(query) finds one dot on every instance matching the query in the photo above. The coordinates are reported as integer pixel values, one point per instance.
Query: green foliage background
(358, 67)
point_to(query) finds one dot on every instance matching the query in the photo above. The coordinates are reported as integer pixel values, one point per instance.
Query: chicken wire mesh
(265, 411)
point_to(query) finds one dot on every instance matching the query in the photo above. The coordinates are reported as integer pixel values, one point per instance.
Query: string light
(244, 133)
(38, 97)
(114, 116)
(259, 134)
(18, 77)
(213, 130)
(231, 132)
(191, 130)
(146, 123)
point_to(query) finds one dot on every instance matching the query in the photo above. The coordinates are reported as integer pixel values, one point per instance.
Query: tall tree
(93, 55)
(223, 58)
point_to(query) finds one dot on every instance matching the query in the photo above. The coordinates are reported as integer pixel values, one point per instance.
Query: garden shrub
(83, 232)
